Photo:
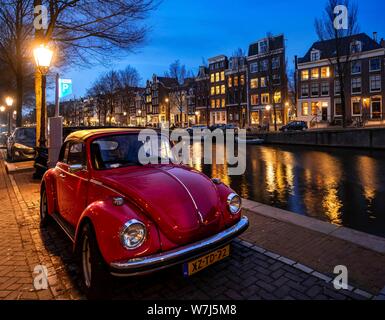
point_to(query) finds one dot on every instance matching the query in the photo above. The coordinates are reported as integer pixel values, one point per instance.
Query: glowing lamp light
(268, 108)
(2, 108)
(43, 57)
(9, 101)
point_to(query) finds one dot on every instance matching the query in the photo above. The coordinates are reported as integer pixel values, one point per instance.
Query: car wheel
(44, 215)
(94, 272)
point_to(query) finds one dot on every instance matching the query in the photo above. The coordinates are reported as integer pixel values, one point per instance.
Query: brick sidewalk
(248, 274)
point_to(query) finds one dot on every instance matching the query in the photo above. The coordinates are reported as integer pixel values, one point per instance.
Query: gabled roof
(328, 47)
(168, 82)
(275, 43)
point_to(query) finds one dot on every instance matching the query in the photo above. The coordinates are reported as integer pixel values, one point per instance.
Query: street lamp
(9, 102)
(2, 108)
(167, 100)
(43, 57)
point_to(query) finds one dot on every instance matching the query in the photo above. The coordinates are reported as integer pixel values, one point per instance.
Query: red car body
(185, 213)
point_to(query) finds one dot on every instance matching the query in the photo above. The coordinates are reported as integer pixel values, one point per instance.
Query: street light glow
(9, 101)
(2, 108)
(268, 107)
(43, 57)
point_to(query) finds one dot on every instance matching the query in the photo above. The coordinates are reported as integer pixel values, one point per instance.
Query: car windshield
(26, 136)
(125, 150)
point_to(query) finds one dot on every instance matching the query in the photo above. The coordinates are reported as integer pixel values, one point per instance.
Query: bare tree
(81, 32)
(339, 39)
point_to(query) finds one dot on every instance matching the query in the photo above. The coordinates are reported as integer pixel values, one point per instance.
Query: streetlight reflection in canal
(342, 186)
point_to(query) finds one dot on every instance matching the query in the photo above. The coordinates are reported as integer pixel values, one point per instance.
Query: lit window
(376, 104)
(305, 108)
(314, 108)
(263, 82)
(254, 83)
(254, 99)
(212, 78)
(217, 77)
(213, 103)
(223, 89)
(305, 75)
(236, 82)
(223, 103)
(325, 72)
(265, 98)
(218, 90)
(356, 85)
(212, 91)
(218, 103)
(315, 73)
(222, 76)
(242, 80)
(277, 97)
(230, 82)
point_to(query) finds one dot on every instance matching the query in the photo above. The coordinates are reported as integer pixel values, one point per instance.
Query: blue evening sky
(192, 29)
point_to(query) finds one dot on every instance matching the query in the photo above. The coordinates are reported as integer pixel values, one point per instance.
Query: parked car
(127, 219)
(295, 126)
(21, 144)
(3, 137)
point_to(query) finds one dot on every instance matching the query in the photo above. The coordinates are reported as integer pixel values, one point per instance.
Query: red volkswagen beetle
(129, 219)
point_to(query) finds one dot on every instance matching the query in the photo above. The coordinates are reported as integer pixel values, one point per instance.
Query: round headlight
(133, 234)
(234, 203)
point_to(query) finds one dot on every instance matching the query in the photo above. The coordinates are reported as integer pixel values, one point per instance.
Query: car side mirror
(76, 168)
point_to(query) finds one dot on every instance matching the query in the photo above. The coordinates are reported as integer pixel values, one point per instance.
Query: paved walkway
(250, 273)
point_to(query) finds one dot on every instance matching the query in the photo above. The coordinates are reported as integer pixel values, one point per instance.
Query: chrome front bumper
(168, 259)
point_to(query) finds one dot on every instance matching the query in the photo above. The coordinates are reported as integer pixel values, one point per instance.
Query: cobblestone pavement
(247, 274)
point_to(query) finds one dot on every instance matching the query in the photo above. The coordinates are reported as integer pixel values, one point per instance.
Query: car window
(76, 154)
(63, 156)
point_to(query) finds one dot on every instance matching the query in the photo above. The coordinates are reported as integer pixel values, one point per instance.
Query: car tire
(94, 273)
(44, 215)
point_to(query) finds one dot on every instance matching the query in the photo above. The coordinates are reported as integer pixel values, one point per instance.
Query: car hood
(182, 202)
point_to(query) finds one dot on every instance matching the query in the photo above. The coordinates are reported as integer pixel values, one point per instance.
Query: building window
(305, 75)
(305, 91)
(254, 99)
(277, 97)
(314, 108)
(236, 84)
(218, 90)
(305, 108)
(218, 103)
(375, 64)
(254, 67)
(315, 55)
(325, 72)
(356, 107)
(223, 89)
(356, 67)
(275, 63)
(336, 71)
(276, 79)
(356, 85)
(223, 103)
(356, 47)
(337, 108)
(222, 76)
(254, 83)
(264, 65)
(242, 77)
(213, 103)
(325, 88)
(212, 77)
(230, 82)
(314, 89)
(254, 117)
(263, 46)
(263, 82)
(265, 98)
(376, 108)
(315, 73)
(375, 83)
(212, 90)
(217, 77)
(218, 116)
(337, 87)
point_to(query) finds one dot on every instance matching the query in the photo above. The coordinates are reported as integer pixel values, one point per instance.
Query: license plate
(193, 267)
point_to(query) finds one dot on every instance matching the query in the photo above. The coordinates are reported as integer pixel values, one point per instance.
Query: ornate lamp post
(167, 100)
(9, 102)
(43, 57)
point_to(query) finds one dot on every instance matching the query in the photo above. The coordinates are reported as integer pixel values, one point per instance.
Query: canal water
(342, 186)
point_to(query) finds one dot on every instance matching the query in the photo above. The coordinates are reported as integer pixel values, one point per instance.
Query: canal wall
(349, 138)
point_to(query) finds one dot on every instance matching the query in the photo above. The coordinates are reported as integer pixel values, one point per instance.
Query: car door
(73, 182)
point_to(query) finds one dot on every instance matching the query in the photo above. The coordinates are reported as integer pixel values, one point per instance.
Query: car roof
(86, 134)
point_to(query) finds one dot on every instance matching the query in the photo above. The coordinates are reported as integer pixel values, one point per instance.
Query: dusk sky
(191, 30)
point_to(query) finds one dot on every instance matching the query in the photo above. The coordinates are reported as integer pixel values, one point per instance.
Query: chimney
(375, 36)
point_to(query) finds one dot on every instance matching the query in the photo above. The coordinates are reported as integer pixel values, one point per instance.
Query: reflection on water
(342, 186)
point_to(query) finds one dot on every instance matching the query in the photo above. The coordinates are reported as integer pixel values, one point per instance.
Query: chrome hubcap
(86, 261)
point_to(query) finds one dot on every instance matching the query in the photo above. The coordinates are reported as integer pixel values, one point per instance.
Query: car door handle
(62, 175)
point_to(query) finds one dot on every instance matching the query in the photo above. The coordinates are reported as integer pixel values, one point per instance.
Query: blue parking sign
(65, 87)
